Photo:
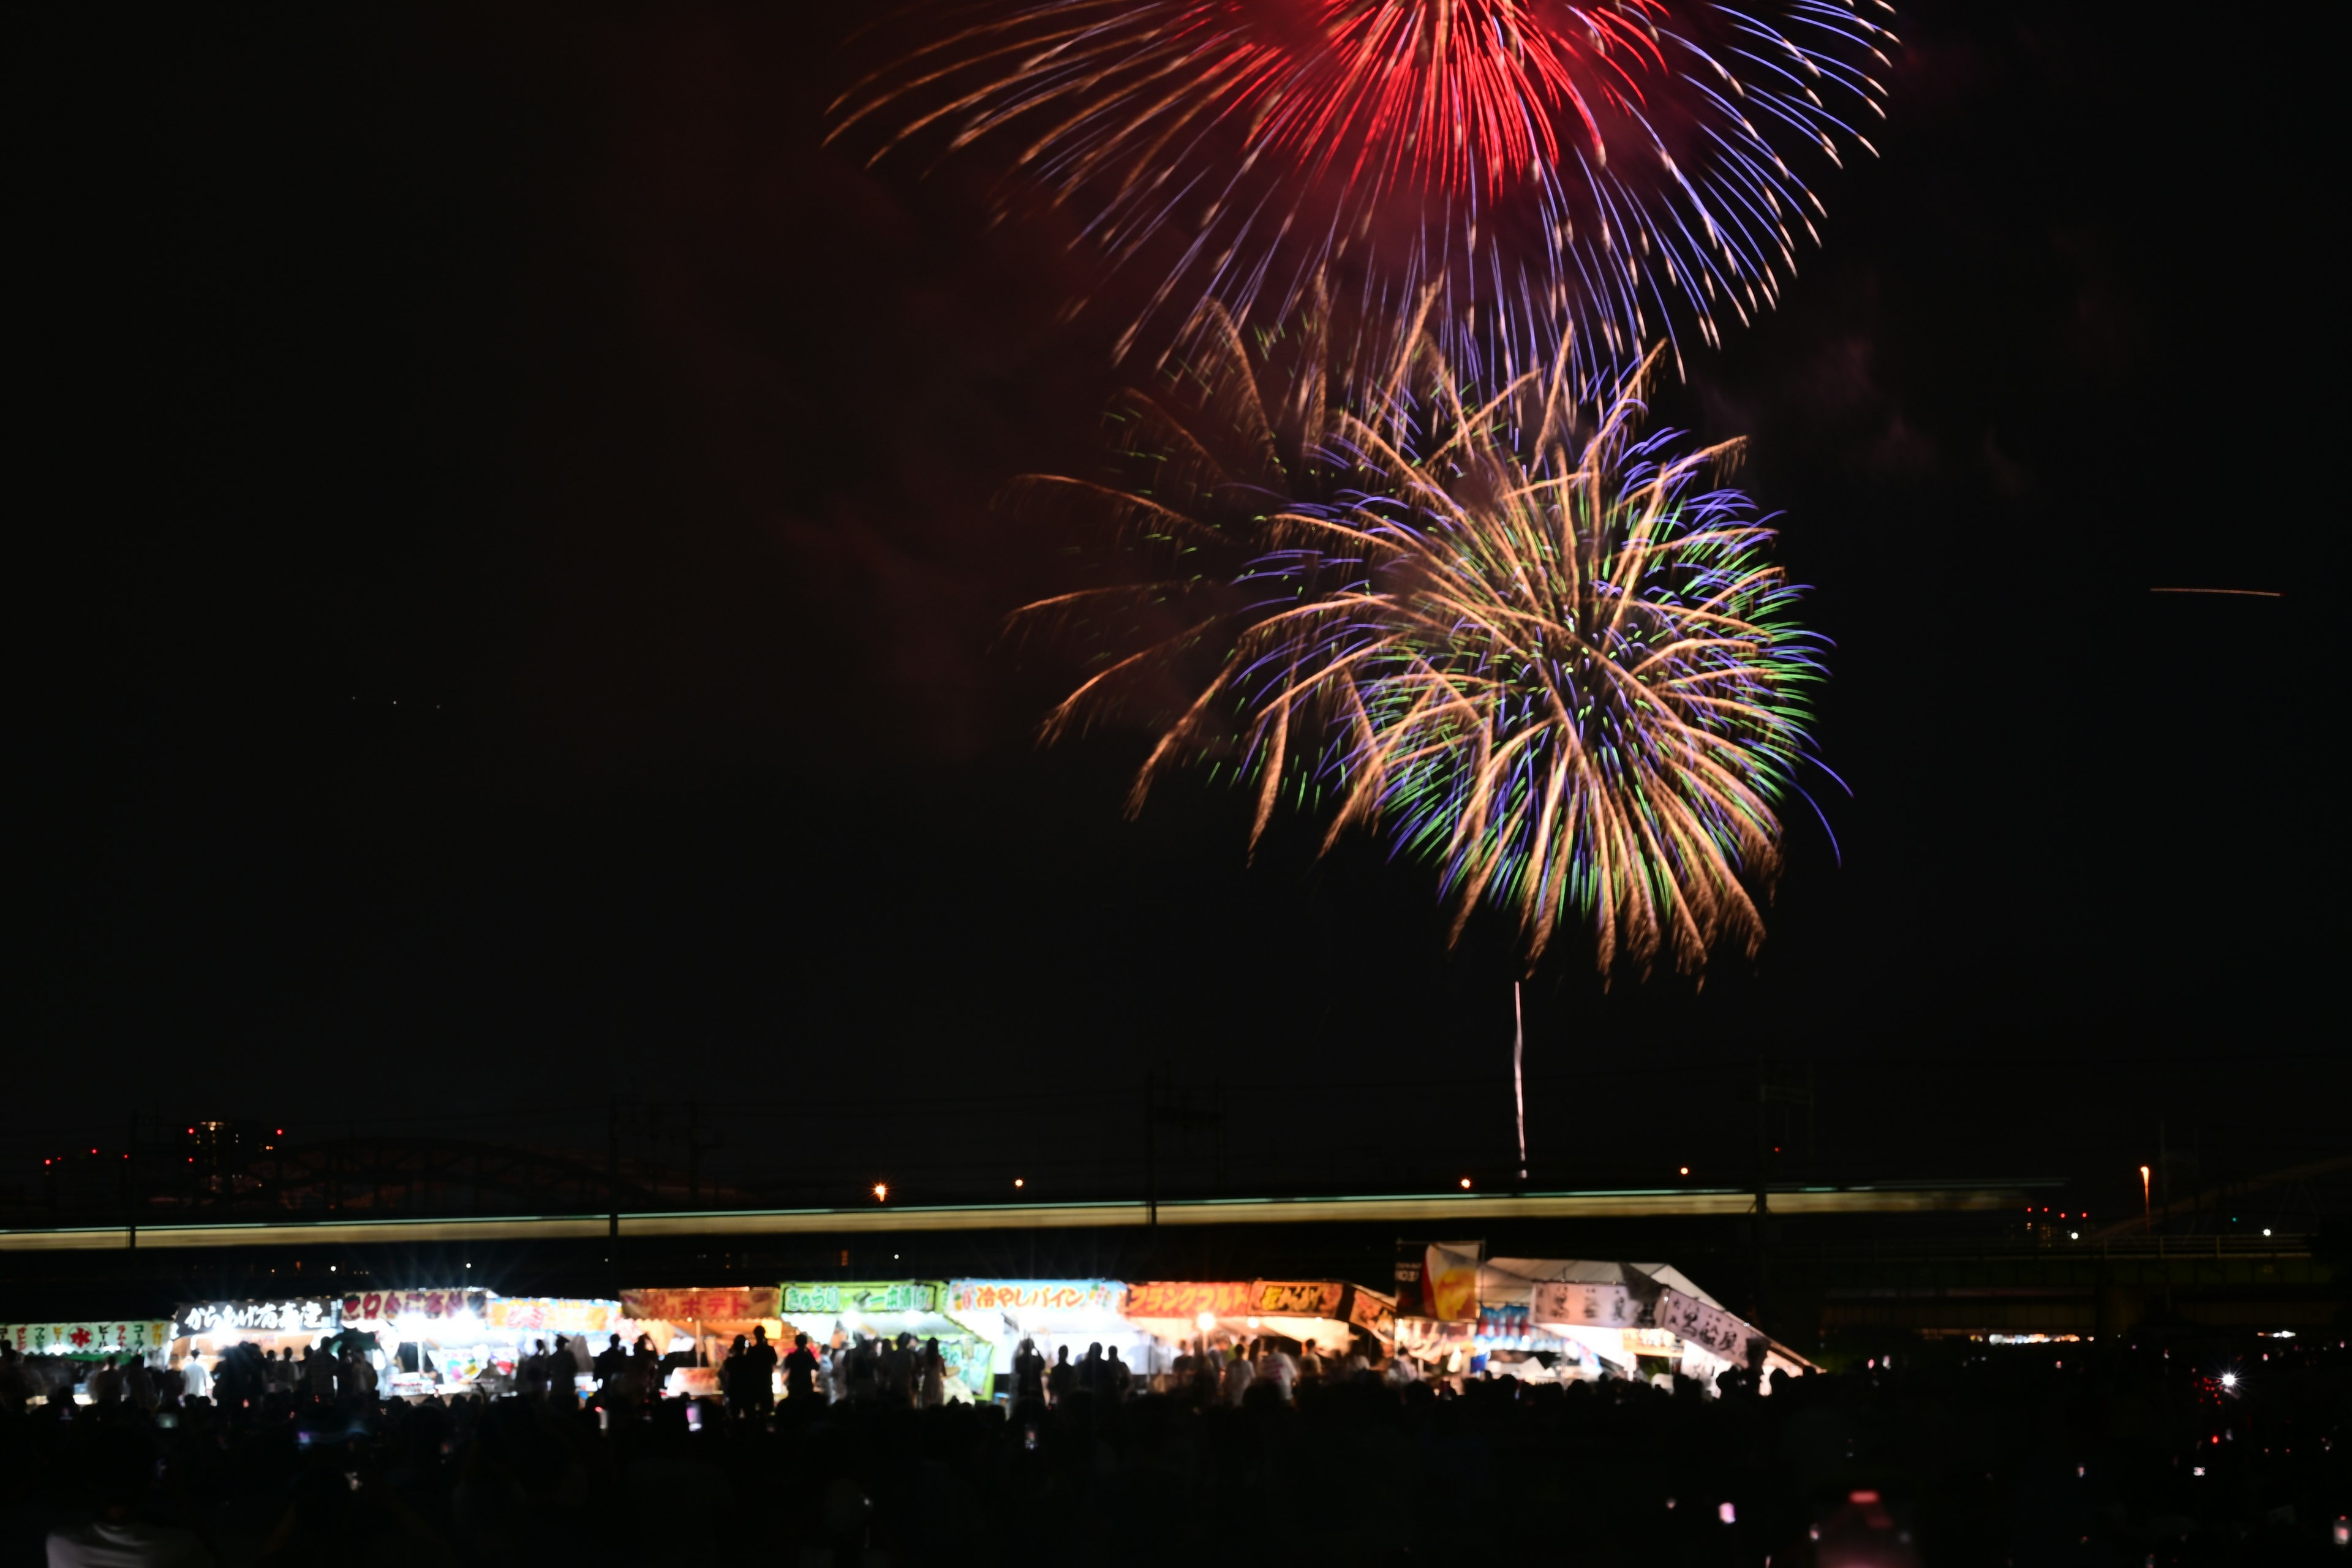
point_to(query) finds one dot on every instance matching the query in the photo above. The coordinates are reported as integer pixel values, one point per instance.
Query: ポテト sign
(719, 1304)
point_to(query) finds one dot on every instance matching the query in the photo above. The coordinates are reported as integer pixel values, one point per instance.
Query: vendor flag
(1449, 1282)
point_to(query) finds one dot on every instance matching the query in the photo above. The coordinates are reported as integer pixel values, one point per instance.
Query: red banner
(1297, 1297)
(1228, 1299)
(375, 1306)
(720, 1304)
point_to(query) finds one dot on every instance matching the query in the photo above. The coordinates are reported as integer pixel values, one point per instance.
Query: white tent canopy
(1624, 1311)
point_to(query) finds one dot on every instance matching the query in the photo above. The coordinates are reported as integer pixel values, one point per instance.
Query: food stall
(1052, 1314)
(90, 1341)
(59, 1356)
(1325, 1313)
(700, 1325)
(289, 1326)
(831, 1312)
(419, 1342)
(429, 1341)
(513, 1325)
(1635, 1320)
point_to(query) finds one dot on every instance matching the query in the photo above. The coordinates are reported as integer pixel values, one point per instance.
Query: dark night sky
(528, 623)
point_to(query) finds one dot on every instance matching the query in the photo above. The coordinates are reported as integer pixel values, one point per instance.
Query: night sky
(526, 628)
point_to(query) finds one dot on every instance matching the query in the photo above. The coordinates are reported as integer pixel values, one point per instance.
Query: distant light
(1728, 1514)
(2228, 1380)
(2266, 1230)
(1862, 1499)
(1465, 1181)
(2198, 1471)
(1205, 1322)
(881, 1192)
(1685, 1170)
(2074, 1236)
(1018, 1181)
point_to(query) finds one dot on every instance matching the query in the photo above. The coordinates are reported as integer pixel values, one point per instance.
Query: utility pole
(1518, 1076)
(1151, 1151)
(613, 1167)
(1763, 1196)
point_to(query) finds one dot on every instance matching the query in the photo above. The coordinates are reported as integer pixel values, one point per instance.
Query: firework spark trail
(1527, 644)
(1607, 173)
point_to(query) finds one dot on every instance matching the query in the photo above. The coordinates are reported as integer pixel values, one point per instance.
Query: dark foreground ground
(1951, 1455)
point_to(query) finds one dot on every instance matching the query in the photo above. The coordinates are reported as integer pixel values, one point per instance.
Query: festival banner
(873, 1298)
(299, 1315)
(552, 1314)
(1449, 1282)
(1709, 1327)
(1372, 1311)
(86, 1339)
(1189, 1299)
(1584, 1306)
(1033, 1296)
(719, 1304)
(383, 1305)
(1295, 1298)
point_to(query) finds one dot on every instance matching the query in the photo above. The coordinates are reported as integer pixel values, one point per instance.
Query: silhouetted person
(119, 1465)
(645, 1362)
(800, 1371)
(1028, 1373)
(732, 1387)
(931, 1376)
(610, 1363)
(864, 1359)
(563, 1377)
(319, 1372)
(897, 1372)
(760, 1373)
(1063, 1380)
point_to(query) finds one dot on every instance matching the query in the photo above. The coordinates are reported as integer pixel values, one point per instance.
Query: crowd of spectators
(2168, 1451)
